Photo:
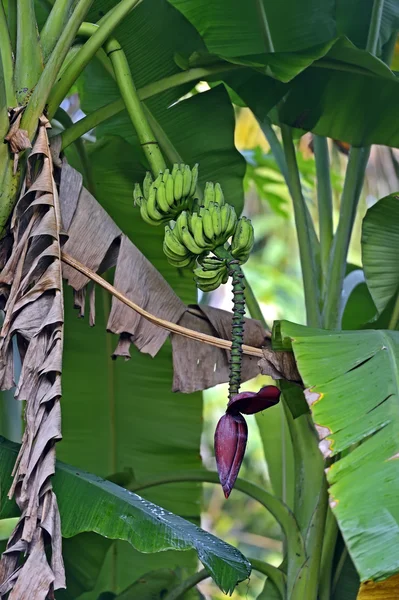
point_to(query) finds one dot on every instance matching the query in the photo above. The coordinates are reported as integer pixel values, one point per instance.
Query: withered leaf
(279, 365)
(198, 366)
(96, 241)
(31, 282)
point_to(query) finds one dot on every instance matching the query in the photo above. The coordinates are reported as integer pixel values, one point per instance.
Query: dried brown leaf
(279, 365)
(96, 241)
(32, 284)
(198, 366)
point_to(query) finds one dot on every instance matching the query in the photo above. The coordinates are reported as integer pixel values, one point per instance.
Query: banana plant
(72, 210)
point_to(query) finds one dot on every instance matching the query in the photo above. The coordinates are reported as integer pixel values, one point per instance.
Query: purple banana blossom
(232, 432)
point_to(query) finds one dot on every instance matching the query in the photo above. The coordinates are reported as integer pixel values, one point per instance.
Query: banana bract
(232, 432)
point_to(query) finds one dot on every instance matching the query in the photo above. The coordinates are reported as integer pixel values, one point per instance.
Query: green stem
(275, 147)
(12, 22)
(54, 25)
(354, 177)
(308, 260)
(267, 37)
(393, 322)
(375, 26)
(97, 38)
(237, 328)
(41, 93)
(274, 505)
(106, 112)
(66, 121)
(187, 584)
(327, 555)
(274, 574)
(28, 60)
(7, 60)
(134, 107)
(324, 200)
(338, 570)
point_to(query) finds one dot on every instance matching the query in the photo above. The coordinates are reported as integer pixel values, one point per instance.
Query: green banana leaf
(232, 28)
(89, 503)
(352, 378)
(199, 129)
(321, 68)
(380, 250)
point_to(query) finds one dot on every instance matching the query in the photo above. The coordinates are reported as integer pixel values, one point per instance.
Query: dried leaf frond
(31, 282)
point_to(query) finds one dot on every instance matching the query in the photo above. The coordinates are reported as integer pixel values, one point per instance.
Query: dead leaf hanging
(32, 281)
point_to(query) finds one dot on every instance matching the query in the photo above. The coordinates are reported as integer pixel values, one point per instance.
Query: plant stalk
(375, 26)
(266, 34)
(324, 200)
(327, 556)
(28, 60)
(354, 177)
(6, 58)
(308, 260)
(54, 25)
(12, 22)
(134, 107)
(187, 584)
(393, 322)
(40, 96)
(98, 35)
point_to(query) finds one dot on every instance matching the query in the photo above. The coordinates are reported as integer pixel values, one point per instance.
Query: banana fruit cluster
(243, 240)
(172, 192)
(211, 273)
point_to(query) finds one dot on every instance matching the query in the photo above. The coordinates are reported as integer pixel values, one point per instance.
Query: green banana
(194, 180)
(207, 224)
(197, 231)
(186, 180)
(216, 219)
(161, 198)
(209, 281)
(137, 195)
(169, 187)
(209, 194)
(181, 222)
(232, 222)
(219, 196)
(243, 240)
(178, 185)
(146, 217)
(189, 242)
(174, 170)
(147, 184)
(166, 175)
(152, 210)
(173, 243)
(208, 263)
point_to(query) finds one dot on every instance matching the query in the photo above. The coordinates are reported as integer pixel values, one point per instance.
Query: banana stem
(28, 61)
(7, 60)
(41, 92)
(237, 328)
(98, 35)
(54, 25)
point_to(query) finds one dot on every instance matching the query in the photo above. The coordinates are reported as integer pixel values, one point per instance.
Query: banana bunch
(243, 240)
(172, 192)
(211, 273)
(213, 194)
(179, 245)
